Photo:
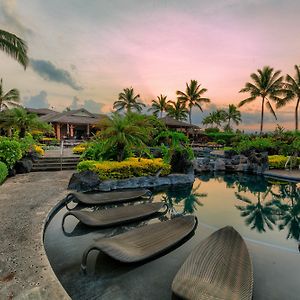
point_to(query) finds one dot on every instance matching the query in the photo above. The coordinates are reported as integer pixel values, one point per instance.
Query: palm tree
(267, 85)
(215, 117)
(14, 46)
(9, 99)
(177, 110)
(160, 105)
(192, 97)
(19, 119)
(292, 86)
(122, 133)
(233, 114)
(128, 101)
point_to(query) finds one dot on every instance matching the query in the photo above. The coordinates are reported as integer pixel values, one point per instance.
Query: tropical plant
(268, 85)
(10, 152)
(292, 86)
(160, 105)
(3, 171)
(123, 133)
(19, 119)
(215, 118)
(128, 101)
(192, 97)
(232, 114)
(177, 110)
(9, 99)
(14, 47)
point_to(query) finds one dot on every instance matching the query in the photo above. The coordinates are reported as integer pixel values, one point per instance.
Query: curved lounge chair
(108, 197)
(218, 268)
(145, 242)
(117, 215)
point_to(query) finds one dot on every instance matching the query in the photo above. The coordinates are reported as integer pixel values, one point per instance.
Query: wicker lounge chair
(115, 216)
(145, 242)
(218, 268)
(108, 197)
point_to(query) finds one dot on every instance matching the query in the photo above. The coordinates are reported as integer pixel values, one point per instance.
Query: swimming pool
(265, 212)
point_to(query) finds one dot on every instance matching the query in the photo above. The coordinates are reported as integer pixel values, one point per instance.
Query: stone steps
(55, 164)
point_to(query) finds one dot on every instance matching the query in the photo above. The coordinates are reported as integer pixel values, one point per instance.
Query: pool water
(265, 212)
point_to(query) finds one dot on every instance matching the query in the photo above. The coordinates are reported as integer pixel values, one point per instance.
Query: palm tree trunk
(296, 114)
(161, 112)
(190, 115)
(262, 115)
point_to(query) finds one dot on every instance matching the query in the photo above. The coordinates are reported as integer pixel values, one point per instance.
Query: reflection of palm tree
(257, 214)
(288, 204)
(189, 199)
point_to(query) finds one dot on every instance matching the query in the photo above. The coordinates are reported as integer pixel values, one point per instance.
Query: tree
(177, 110)
(216, 117)
(14, 47)
(192, 97)
(267, 85)
(233, 114)
(19, 119)
(128, 101)
(123, 133)
(292, 86)
(8, 99)
(160, 105)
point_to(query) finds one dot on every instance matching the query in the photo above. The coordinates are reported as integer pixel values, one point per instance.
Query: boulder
(23, 166)
(219, 164)
(84, 181)
(180, 163)
(229, 153)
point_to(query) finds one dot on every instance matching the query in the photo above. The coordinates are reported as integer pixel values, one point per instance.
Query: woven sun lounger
(115, 216)
(108, 197)
(218, 268)
(145, 242)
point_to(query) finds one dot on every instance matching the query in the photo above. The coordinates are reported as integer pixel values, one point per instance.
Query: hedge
(132, 167)
(79, 149)
(10, 152)
(279, 161)
(3, 171)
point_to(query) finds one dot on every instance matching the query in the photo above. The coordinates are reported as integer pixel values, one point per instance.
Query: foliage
(192, 97)
(215, 118)
(26, 144)
(3, 171)
(177, 110)
(132, 167)
(11, 98)
(258, 143)
(39, 150)
(277, 161)
(212, 129)
(79, 149)
(128, 101)
(14, 46)
(10, 152)
(225, 136)
(159, 106)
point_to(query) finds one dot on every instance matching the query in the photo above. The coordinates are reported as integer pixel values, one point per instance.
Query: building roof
(78, 116)
(170, 122)
(40, 111)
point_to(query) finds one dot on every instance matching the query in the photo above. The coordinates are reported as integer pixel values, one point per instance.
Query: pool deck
(25, 202)
(293, 175)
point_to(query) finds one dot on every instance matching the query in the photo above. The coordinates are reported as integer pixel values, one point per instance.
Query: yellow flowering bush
(79, 149)
(279, 161)
(132, 167)
(38, 149)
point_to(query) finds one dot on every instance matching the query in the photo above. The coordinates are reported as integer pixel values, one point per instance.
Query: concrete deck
(25, 202)
(293, 175)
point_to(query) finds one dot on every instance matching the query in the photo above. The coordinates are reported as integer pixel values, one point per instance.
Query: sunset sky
(83, 53)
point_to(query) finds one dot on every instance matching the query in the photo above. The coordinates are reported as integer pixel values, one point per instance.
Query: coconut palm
(18, 118)
(292, 86)
(160, 105)
(128, 101)
(177, 110)
(267, 85)
(192, 97)
(9, 99)
(216, 117)
(14, 46)
(233, 114)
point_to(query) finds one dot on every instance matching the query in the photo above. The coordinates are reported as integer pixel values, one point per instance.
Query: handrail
(61, 153)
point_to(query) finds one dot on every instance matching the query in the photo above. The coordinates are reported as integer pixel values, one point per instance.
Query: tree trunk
(190, 115)
(262, 115)
(161, 112)
(22, 132)
(296, 114)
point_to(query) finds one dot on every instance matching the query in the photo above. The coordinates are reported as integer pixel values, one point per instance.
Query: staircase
(55, 164)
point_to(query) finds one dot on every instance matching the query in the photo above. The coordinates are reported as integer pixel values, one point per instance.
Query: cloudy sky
(83, 53)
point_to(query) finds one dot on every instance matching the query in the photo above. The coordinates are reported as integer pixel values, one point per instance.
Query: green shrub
(223, 136)
(279, 161)
(132, 167)
(259, 144)
(3, 171)
(212, 130)
(10, 152)
(221, 142)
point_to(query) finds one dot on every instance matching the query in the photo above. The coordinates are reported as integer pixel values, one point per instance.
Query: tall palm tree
(267, 85)
(160, 105)
(216, 117)
(9, 99)
(192, 97)
(177, 110)
(292, 86)
(128, 101)
(14, 46)
(233, 114)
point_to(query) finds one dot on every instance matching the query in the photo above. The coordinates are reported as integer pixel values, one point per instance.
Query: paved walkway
(293, 175)
(25, 201)
(67, 152)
